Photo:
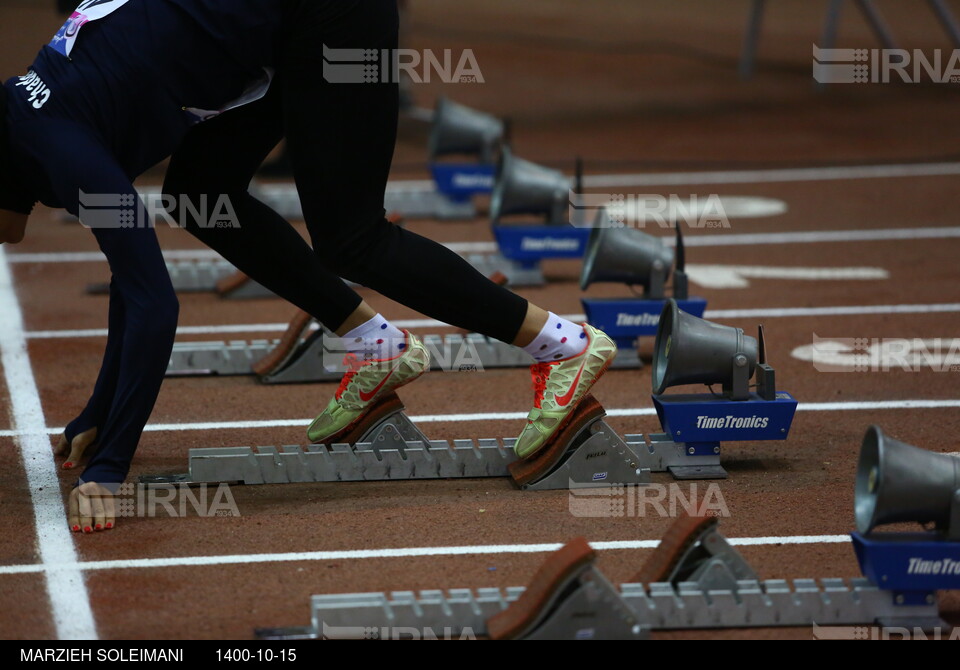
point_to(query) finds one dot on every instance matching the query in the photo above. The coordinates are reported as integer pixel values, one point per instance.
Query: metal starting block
(190, 276)
(420, 200)
(517, 274)
(388, 446)
(222, 277)
(302, 355)
(702, 582)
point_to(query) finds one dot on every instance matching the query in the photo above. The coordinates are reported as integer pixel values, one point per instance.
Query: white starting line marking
(69, 600)
(852, 406)
(759, 313)
(820, 236)
(720, 240)
(737, 276)
(415, 552)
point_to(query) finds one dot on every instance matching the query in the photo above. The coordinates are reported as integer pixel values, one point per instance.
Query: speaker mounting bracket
(461, 181)
(913, 566)
(657, 285)
(696, 425)
(532, 244)
(739, 387)
(953, 530)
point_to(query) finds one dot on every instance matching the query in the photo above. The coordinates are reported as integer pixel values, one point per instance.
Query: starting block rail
(187, 276)
(662, 606)
(707, 584)
(393, 448)
(222, 277)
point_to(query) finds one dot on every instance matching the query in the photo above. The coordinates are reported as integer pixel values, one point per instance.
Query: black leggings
(341, 139)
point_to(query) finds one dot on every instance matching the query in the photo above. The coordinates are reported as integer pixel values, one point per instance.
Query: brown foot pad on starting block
(386, 406)
(540, 464)
(231, 283)
(556, 573)
(682, 535)
(289, 341)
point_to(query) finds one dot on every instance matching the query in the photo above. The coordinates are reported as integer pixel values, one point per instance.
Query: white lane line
(820, 236)
(847, 310)
(853, 406)
(763, 312)
(774, 175)
(721, 240)
(233, 329)
(69, 600)
(415, 552)
(739, 276)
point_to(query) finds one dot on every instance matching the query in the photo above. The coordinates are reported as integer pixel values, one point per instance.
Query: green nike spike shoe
(361, 386)
(559, 388)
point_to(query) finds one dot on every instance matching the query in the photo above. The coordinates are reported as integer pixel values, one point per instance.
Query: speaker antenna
(681, 286)
(508, 132)
(681, 250)
(766, 375)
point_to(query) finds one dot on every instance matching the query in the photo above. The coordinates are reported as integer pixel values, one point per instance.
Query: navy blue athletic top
(136, 88)
(115, 92)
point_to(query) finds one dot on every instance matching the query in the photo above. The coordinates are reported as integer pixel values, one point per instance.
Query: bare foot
(74, 452)
(91, 508)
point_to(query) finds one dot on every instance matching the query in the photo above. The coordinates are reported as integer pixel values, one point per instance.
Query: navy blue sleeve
(87, 181)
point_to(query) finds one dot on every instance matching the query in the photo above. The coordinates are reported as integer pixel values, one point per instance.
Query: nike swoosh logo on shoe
(367, 397)
(565, 399)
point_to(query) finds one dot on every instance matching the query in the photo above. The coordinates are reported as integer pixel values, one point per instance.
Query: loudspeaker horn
(626, 256)
(898, 482)
(458, 129)
(523, 187)
(690, 350)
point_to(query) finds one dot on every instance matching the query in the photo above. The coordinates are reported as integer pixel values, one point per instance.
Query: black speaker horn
(458, 129)
(626, 256)
(690, 350)
(898, 482)
(523, 187)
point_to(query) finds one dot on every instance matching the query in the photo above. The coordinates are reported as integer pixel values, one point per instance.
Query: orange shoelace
(539, 372)
(353, 364)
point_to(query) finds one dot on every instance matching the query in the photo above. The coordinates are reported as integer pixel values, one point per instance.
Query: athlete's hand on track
(91, 508)
(74, 452)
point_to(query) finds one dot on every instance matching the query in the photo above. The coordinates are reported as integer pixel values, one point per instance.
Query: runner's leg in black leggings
(220, 156)
(341, 139)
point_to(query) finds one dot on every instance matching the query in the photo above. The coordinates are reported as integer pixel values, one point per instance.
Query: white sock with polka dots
(558, 340)
(376, 339)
